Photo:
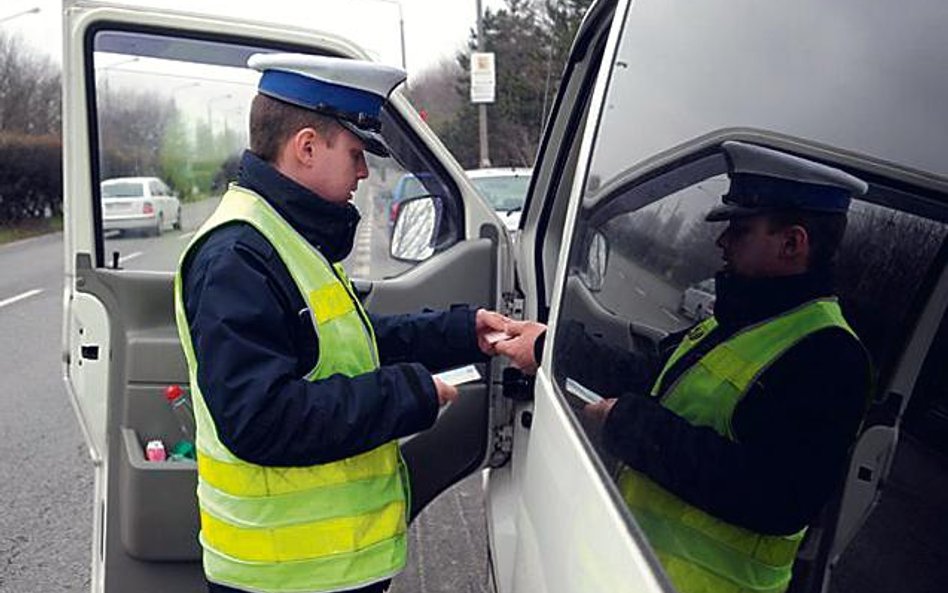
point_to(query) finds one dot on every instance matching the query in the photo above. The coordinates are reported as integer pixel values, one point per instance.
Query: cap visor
(373, 141)
(730, 212)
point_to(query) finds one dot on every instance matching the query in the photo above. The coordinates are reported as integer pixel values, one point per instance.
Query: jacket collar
(326, 226)
(743, 301)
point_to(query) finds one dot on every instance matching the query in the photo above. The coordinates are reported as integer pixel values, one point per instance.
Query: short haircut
(273, 122)
(824, 229)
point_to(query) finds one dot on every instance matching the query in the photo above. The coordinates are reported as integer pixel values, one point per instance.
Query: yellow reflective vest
(701, 553)
(327, 527)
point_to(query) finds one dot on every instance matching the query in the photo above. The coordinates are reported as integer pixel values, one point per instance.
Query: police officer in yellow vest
(299, 394)
(734, 443)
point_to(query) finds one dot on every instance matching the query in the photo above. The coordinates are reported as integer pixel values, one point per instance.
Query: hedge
(31, 179)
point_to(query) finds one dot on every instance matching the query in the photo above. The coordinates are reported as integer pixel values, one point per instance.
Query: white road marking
(670, 314)
(188, 235)
(363, 247)
(130, 256)
(20, 297)
(639, 290)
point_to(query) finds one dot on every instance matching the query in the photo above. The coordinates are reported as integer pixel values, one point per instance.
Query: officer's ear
(304, 145)
(795, 242)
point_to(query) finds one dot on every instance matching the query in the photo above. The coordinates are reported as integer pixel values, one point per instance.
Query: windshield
(122, 190)
(412, 188)
(504, 193)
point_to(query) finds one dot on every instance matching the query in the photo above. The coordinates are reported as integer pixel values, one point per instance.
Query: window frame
(453, 201)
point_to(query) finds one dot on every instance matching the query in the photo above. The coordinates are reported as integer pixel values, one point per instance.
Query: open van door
(613, 235)
(555, 520)
(157, 94)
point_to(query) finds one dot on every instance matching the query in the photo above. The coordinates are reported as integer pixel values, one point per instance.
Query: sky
(434, 29)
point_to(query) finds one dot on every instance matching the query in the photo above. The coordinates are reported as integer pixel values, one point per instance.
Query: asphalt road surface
(46, 484)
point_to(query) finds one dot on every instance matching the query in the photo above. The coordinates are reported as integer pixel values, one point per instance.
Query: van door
(157, 94)
(555, 521)
(613, 237)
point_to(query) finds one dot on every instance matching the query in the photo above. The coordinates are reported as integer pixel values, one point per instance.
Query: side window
(643, 262)
(176, 110)
(156, 189)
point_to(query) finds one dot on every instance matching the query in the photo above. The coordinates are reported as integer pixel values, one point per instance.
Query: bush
(31, 180)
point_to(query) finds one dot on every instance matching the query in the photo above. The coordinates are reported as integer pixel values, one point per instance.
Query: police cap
(765, 180)
(350, 91)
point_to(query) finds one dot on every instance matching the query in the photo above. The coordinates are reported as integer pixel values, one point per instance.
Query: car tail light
(148, 208)
(395, 211)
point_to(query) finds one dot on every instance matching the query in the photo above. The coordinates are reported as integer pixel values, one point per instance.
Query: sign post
(483, 78)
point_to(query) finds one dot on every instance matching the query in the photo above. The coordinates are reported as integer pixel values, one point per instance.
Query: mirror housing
(416, 229)
(595, 263)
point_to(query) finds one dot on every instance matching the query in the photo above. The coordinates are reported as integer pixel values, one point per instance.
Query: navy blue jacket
(254, 342)
(793, 429)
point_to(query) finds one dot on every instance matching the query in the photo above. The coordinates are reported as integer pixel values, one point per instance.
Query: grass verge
(31, 228)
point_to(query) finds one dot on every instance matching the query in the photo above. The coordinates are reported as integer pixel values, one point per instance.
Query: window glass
(122, 189)
(176, 110)
(504, 192)
(684, 70)
(658, 277)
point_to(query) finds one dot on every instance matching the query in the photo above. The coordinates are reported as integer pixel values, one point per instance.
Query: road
(45, 529)
(46, 490)
(46, 524)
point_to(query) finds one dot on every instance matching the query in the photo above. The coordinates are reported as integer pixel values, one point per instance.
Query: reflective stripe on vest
(327, 527)
(699, 552)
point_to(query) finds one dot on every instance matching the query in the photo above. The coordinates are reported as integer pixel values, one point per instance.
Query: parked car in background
(408, 186)
(697, 302)
(505, 189)
(144, 204)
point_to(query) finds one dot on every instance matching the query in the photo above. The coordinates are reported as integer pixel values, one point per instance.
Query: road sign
(483, 77)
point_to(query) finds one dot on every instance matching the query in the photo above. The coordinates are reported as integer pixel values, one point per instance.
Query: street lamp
(105, 77)
(210, 120)
(401, 27)
(181, 87)
(33, 10)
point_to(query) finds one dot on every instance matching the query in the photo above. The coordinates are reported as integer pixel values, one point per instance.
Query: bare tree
(434, 94)
(30, 95)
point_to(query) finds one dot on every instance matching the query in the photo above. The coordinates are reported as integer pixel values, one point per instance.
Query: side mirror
(597, 258)
(416, 229)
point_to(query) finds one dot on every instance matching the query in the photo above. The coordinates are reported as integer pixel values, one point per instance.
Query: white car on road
(697, 302)
(505, 189)
(144, 204)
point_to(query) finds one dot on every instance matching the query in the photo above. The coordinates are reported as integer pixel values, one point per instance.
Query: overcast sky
(434, 29)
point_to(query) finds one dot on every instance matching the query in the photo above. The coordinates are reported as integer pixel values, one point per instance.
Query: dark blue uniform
(254, 342)
(793, 429)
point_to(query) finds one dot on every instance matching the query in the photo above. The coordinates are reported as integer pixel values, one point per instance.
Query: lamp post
(105, 76)
(210, 120)
(401, 27)
(33, 10)
(181, 87)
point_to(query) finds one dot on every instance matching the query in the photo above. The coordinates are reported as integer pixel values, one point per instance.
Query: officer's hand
(519, 347)
(599, 411)
(487, 324)
(446, 393)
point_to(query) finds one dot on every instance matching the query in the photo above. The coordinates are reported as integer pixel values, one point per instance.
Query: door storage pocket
(158, 504)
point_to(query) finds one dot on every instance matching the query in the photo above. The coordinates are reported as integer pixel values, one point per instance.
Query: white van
(611, 234)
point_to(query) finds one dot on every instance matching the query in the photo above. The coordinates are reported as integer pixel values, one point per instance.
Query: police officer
(299, 394)
(734, 443)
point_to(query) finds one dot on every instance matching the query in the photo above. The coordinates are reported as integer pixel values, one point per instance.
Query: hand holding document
(497, 336)
(460, 375)
(582, 392)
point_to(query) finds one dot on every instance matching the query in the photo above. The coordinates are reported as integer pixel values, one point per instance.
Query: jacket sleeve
(793, 432)
(598, 365)
(241, 325)
(436, 339)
